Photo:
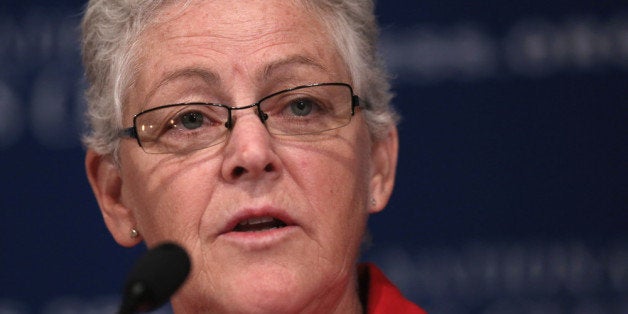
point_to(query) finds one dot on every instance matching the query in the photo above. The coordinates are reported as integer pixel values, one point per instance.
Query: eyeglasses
(302, 110)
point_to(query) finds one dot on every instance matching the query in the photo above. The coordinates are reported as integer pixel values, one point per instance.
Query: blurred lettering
(515, 277)
(531, 47)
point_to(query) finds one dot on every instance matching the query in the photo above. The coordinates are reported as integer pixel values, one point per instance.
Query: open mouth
(257, 224)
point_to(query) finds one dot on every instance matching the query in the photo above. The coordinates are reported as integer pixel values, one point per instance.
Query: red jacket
(382, 297)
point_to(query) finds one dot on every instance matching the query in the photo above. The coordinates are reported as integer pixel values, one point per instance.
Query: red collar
(380, 295)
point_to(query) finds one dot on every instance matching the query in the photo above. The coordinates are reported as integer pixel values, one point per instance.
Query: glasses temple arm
(128, 132)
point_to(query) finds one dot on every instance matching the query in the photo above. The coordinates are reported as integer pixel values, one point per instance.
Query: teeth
(259, 224)
(256, 220)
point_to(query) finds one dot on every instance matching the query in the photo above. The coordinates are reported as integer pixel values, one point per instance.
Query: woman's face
(320, 188)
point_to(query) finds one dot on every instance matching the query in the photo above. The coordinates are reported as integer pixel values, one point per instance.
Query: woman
(256, 134)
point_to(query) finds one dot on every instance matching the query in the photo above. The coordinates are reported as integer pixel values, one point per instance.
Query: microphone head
(155, 277)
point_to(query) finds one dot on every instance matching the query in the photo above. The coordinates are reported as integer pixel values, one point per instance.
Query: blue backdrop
(512, 188)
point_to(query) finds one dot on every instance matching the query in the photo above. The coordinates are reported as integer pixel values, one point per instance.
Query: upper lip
(256, 213)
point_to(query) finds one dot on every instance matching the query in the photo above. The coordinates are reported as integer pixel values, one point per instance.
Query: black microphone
(154, 278)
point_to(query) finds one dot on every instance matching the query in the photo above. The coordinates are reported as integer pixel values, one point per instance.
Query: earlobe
(384, 157)
(104, 177)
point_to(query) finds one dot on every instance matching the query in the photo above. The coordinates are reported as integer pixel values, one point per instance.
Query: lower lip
(259, 240)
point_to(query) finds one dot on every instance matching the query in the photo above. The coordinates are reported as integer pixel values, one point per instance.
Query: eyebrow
(212, 78)
(205, 74)
(290, 61)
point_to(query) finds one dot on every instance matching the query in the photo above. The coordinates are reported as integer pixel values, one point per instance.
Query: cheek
(334, 179)
(167, 197)
(337, 168)
(323, 177)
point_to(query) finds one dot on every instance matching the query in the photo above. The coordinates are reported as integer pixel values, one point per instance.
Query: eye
(192, 120)
(301, 107)
(195, 118)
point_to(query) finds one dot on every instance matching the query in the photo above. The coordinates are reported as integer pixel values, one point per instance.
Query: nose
(249, 153)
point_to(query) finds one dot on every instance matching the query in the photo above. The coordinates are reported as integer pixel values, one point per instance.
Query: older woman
(256, 134)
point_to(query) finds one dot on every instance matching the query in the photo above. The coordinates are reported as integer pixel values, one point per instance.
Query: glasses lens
(181, 128)
(308, 110)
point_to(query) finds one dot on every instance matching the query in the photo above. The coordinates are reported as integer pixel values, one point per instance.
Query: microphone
(154, 278)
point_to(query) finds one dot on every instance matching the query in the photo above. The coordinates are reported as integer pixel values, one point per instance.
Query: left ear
(384, 165)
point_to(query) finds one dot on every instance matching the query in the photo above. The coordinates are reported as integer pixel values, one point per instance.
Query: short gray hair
(111, 29)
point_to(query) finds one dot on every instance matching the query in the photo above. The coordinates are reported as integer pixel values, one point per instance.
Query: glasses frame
(131, 132)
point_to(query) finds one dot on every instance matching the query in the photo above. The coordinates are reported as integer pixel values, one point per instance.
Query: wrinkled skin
(236, 52)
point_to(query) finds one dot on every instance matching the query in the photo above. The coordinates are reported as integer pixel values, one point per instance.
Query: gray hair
(112, 28)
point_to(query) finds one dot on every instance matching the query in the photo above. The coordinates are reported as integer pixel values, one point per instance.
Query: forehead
(240, 19)
(219, 41)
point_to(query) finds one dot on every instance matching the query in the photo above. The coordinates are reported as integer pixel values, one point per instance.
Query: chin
(260, 291)
(274, 290)
(252, 299)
